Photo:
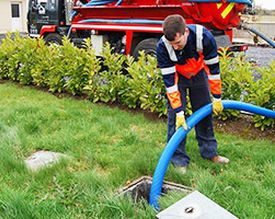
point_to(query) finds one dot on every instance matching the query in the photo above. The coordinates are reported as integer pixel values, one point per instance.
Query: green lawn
(109, 147)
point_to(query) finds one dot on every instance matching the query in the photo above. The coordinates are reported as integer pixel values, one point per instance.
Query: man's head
(175, 31)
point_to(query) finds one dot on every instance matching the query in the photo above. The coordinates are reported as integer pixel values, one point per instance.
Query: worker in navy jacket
(189, 63)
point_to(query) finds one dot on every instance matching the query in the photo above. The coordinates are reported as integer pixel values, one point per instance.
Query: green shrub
(262, 93)
(27, 59)
(56, 79)
(109, 84)
(79, 66)
(236, 77)
(136, 84)
(146, 88)
(9, 49)
(46, 58)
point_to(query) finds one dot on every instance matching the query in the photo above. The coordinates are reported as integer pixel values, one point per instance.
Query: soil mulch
(244, 128)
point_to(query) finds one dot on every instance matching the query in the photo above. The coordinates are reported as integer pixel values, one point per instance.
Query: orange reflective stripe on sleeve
(207, 70)
(174, 94)
(176, 78)
(215, 86)
(174, 99)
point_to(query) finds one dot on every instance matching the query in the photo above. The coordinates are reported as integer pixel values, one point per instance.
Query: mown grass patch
(109, 147)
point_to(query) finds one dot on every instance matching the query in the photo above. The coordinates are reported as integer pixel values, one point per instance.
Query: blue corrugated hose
(263, 36)
(181, 133)
(122, 21)
(98, 2)
(95, 3)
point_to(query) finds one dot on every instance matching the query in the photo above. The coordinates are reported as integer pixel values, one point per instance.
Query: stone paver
(42, 159)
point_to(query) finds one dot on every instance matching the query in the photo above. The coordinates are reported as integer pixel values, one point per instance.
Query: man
(189, 63)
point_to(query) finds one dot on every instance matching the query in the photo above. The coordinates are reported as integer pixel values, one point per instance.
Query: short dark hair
(172, 25)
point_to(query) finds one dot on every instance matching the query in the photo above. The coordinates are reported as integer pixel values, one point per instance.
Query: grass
(108, 148)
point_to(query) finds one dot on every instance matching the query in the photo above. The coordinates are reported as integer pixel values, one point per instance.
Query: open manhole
(140, 188)
(193, 205)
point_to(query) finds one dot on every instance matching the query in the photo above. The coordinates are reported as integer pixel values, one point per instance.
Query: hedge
(121, 79)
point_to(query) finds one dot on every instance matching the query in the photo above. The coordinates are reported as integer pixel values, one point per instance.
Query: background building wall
(6, 15)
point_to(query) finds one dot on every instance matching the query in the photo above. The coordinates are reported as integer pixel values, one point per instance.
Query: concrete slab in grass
(195, 206)
(42, 159)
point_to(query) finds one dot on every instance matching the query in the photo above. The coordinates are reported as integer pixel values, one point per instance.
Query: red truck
(129, 25)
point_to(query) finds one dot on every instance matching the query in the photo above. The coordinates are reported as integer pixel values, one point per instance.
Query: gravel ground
(262, 56)
(2, 36)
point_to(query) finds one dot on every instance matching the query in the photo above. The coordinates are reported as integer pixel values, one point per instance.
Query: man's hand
(217, 106)
(180, 120)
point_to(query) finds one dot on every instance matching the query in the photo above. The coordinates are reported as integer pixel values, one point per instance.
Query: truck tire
(53, 38)
(148, 45)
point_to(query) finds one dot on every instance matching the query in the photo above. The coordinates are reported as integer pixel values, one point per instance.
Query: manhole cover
(195, 206)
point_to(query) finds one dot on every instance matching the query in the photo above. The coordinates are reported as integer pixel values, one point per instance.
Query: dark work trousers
(199, 94)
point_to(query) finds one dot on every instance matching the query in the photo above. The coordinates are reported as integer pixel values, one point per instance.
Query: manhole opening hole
(140, 188)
